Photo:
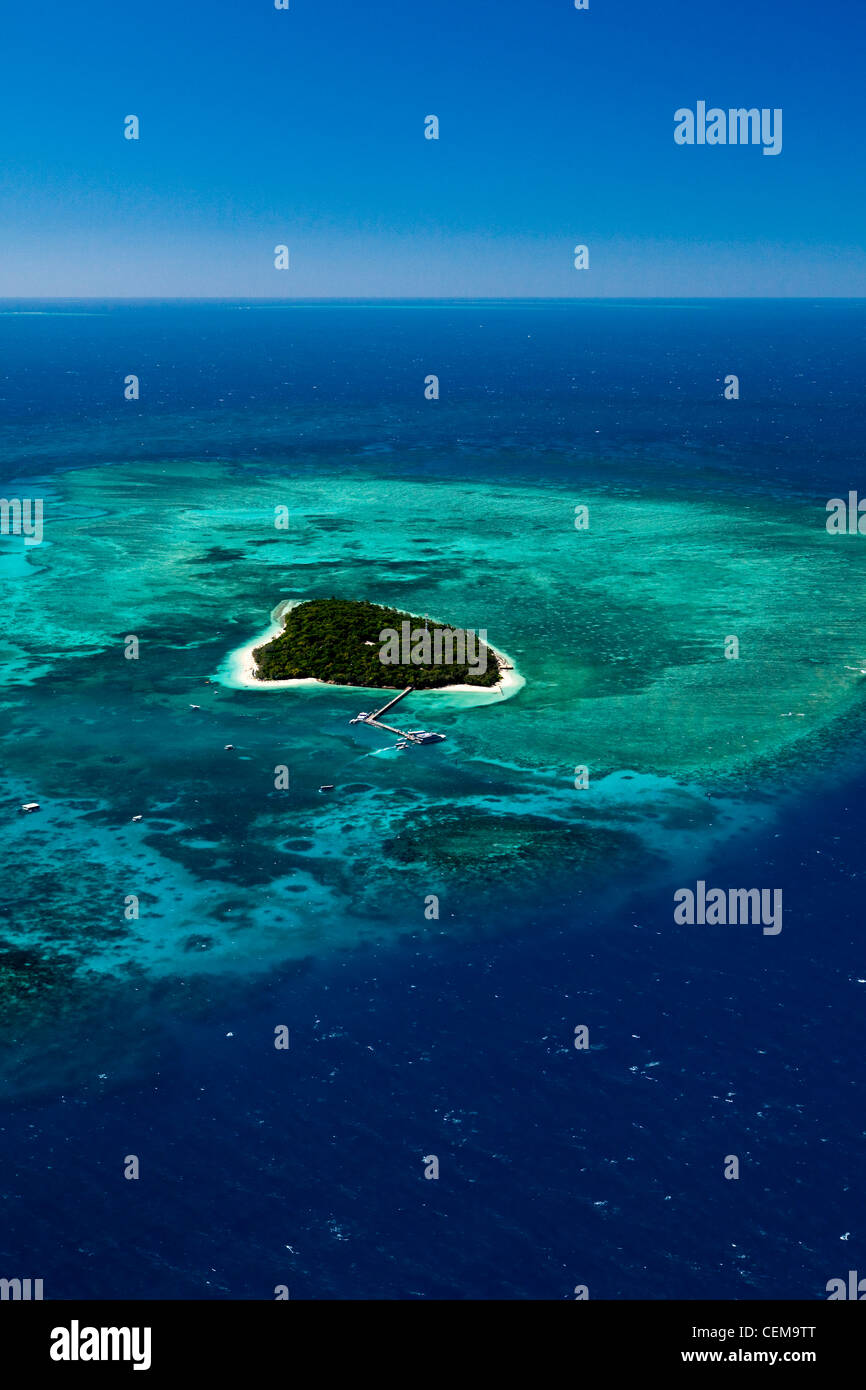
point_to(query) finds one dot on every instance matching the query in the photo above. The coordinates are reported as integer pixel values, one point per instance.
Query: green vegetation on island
(339, 641)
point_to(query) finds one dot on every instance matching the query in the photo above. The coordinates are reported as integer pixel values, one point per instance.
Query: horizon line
(404, 299)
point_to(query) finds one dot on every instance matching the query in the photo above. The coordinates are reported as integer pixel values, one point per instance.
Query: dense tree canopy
(337, 640)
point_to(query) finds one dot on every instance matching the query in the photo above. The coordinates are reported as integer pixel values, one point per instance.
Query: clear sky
(306, 127)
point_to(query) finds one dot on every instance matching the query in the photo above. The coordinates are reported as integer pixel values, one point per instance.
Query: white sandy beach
(239, 669)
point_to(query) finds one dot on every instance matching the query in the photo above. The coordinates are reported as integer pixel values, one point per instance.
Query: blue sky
(305, 127)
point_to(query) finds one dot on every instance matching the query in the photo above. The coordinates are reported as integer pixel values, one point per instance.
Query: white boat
(406, 736)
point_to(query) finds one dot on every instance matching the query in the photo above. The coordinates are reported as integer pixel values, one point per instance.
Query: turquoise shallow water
(618, 630)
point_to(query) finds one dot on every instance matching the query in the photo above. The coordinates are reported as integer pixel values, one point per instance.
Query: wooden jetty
(413, 736)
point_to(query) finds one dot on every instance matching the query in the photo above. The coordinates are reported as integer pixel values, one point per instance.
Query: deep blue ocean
(558, 1167)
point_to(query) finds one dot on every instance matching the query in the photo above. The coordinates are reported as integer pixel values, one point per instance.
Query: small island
(340, 642)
